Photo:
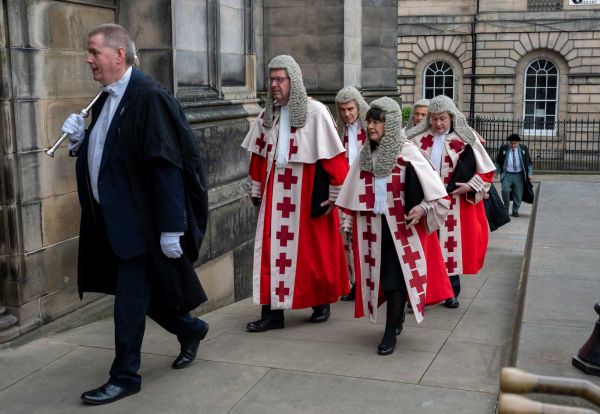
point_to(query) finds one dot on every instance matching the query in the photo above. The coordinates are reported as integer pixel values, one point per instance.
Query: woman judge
(395, 201)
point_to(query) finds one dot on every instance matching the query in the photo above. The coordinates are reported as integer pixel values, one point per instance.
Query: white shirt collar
(118, 88)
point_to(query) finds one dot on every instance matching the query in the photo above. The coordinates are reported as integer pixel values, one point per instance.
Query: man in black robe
(143, 209)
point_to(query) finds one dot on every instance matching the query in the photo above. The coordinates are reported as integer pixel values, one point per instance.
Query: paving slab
(347, 359)
(548, 349)
(283, 391)
(561, 301)
(16, 364)
(466, 366)
(204, 387)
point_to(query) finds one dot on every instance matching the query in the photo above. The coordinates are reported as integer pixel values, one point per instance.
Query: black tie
(514, 161)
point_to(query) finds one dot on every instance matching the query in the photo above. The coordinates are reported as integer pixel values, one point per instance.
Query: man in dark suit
(143, 209)
(515, 168)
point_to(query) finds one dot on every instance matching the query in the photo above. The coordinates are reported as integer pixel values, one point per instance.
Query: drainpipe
(473, 62)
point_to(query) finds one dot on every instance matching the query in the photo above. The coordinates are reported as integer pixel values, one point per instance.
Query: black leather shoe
(320, 315)
(189, 349)
(263, 325)
(451, 303)
(401, 324)
(515, 214)
(350, 296)
(386, 349)
(106, 394)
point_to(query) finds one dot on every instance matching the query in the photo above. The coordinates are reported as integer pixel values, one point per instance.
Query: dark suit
(513, 182)
(150, 181)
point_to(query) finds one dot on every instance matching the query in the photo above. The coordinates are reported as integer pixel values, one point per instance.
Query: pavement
(450, 363)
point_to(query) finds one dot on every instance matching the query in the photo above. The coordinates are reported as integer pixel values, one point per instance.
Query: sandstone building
(211, 54)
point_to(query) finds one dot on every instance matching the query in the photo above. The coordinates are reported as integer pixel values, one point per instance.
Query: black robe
(152, 128)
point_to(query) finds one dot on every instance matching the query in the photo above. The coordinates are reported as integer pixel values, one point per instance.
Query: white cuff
(476, 183)
(334, 191)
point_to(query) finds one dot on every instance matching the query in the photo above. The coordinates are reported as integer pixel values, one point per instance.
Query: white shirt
(98, 134)
(437, 150)
(510, 167)
(352, 141)
(283, 139)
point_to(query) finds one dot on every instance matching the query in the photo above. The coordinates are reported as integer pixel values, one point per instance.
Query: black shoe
(106, 394)
(385, 348)
(515, 214)
(350, 296)
(320, 314)
(451, 303)
(263, 325)
(189, 349)
(401, 324)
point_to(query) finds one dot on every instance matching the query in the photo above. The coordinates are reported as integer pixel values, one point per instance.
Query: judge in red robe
(457, 153)
(396, 201)
(297, 167)
(351, 112)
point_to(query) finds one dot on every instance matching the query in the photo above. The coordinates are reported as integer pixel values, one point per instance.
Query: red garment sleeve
(488, 177)
(336, 168)
(257, 173)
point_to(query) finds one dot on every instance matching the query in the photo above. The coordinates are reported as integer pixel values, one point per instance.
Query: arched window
(541, 95)
(438, 80)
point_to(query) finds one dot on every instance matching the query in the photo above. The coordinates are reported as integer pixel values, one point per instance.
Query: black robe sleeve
(465, 169)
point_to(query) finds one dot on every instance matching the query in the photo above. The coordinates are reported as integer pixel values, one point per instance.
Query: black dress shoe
(401, 324)
(350, 296)
(189, 348)
(320, 314)
(515, 214)
(106, 394)
(385, 348)
(451, 303)
(263, 325)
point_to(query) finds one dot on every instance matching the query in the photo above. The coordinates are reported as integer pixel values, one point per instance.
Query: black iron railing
(572, 145)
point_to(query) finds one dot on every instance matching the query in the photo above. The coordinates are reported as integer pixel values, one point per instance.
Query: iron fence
(572, 145)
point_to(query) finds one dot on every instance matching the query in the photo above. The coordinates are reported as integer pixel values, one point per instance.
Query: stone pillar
(43, 79)
(336, 44)
(379, 48)
(8, 330)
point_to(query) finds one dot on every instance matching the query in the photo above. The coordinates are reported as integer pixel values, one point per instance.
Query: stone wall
(211, 54)
(44, 78)
(508, 39)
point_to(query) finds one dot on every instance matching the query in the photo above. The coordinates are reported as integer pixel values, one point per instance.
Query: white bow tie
(110, 90)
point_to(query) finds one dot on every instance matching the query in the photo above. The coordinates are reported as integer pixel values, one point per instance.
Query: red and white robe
(361, 137)
(299, 261)
(464, 235)
(417, 247)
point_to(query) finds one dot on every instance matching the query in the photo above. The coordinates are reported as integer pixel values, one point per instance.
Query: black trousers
(277, 314)
(455, 282)
(133, 301)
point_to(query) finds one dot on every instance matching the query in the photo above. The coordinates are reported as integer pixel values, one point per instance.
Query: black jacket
(150, 181)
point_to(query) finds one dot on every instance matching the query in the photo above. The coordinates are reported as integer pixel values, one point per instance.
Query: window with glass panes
(541, 95)
(438, 80)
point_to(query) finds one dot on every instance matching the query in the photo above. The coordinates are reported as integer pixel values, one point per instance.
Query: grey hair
(298, 98)
(439, 104)
(347, 94)
(421, 103)
(116, 36)
(392, 140)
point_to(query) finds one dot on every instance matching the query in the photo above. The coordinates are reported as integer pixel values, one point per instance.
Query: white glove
(74, 127)
(169, 244)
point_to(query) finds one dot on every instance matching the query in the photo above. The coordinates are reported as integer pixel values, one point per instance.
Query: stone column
(8, 330)
(336, 44)
(379, 48)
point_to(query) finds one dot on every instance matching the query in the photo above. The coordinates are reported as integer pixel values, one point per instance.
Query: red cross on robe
(286, 207)
(426, 142)
(282, 291)
(287, 178)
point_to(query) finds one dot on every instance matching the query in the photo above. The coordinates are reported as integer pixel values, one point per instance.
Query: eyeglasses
(278, 80)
